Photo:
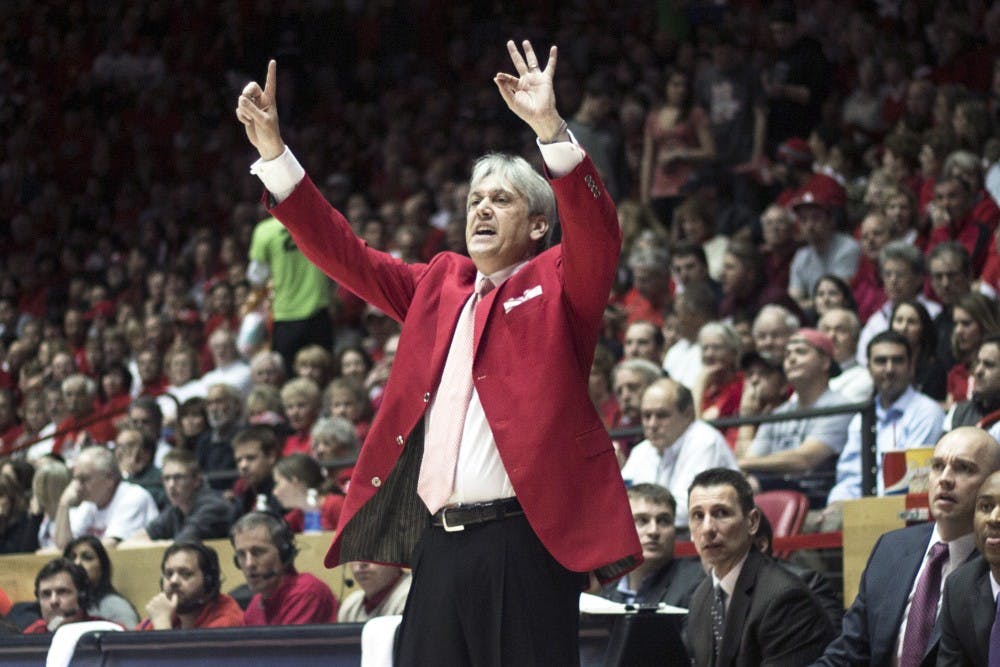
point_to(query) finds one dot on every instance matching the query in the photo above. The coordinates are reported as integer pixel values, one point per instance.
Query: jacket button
(376, 482)
(400, 440)
(427, 396)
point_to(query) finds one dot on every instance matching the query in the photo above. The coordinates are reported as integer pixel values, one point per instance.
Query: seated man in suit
(660, 577)
(877, 625)
(750, 610)
(970, 593)
(190, 578)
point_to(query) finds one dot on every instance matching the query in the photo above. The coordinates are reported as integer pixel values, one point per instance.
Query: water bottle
(311, 521)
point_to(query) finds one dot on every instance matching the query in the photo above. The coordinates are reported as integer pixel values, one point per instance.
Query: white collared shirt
(728, 582)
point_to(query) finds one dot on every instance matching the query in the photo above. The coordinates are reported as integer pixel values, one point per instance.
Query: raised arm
(257, 109)
(531, 95)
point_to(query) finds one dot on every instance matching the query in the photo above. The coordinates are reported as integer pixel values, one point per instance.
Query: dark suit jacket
(534, 343)
(773, 619)
(871, 625)
(966, 616)
(673, 584)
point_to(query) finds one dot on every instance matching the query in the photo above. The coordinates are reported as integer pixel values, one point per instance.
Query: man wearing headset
(63, 593)
(264, 551)
(189, 594)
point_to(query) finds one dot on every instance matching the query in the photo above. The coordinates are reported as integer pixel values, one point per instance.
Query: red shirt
(971, 233)
(726, 397)
(299, 600)
(224, 612)
(958, 383)
(298, 443)
(867, 288)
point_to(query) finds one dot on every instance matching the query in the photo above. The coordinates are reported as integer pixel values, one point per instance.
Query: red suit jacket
(532, 355)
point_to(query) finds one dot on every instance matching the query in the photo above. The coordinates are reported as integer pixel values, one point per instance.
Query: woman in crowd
(334, 439)
(51, 478)
(911, 319)
(105, 602)
(192, 421)
(976, 317)
(345, 398)
(295, 476)
(354, 362)
(830, 292)
(676, 139)
(720, 387)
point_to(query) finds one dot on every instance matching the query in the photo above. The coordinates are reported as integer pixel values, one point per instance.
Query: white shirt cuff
(561, 157)
(280, 175)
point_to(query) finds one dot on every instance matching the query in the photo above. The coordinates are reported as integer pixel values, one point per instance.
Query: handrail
(869, 452)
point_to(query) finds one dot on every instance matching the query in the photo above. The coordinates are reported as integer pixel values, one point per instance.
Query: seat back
(786, 510)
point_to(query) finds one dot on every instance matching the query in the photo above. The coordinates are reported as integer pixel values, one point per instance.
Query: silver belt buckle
(444, 523)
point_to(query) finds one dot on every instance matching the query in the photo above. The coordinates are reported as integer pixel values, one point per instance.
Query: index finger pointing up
(272, 79)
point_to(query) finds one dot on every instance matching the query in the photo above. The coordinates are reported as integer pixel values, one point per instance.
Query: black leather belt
(456, 517)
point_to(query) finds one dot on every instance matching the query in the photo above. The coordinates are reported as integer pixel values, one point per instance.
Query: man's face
(57, 596)
(891, 371)
(961, 461)
(132, 457)
(655, 524)
(687, 269)
(815, 223)
(79, 403)
(301, 412)
(180, 483)
(628, 388)
(95, 485)
(721, 532)
(838, 326)
(662, 422)
(951, 196)
(986, 522)
(144, 419)
(776, 226)
(221, 409)
(767, 382)
(325, 448)
(372, 577)
(948, 279)
(252, 464)
(875, 233)
(901, 282)
(222, 347)
(183, 578)
(149, 366)
(770, 336)
(734, 274)
(650, 283)
(640, 342)
(258, 560)
(987, 372)
(803, 362)
(498, 230)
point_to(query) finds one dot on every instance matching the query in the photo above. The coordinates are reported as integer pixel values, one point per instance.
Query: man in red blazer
(536, 501)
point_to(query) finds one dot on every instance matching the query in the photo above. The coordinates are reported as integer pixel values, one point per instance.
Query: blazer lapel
(983, 611)
(482, 316)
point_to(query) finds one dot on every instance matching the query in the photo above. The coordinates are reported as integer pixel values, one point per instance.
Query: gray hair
(903, 252)
(650, 371)
(729, 337)
(264, 357)
(102, 458)
(962, 160)
(79, 380)
(337, 429)
(852, 317)
(521, 176)
(791, 322)
(649, 258)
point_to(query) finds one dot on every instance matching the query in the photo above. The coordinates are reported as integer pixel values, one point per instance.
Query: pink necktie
(446, 421)
(923, 608)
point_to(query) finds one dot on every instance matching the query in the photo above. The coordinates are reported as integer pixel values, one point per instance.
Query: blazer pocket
(593, 442)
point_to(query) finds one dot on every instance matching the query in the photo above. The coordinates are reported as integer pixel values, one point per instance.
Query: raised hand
(530, 94)
(258, 111)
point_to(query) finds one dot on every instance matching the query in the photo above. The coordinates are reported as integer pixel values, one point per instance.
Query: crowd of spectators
(808, 197)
